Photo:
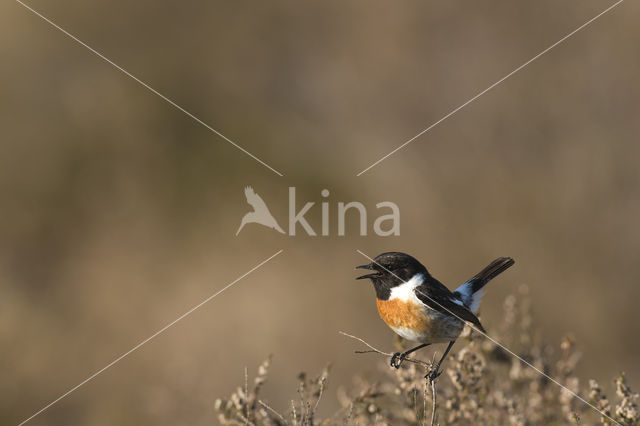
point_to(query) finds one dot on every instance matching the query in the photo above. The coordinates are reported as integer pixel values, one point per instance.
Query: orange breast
(397, 313)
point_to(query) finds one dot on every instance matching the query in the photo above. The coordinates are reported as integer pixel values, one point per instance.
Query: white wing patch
(405, 291)
(475, 300)
(472, 300)
(465, 291)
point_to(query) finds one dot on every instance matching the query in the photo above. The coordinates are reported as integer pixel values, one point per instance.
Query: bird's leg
(433, 372)
(397, 358)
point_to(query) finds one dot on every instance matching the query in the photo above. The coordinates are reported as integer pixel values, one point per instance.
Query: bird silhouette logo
(260, 213)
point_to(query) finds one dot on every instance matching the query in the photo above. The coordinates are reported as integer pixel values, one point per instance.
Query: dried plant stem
(268, 407)
(303, 411)
(245, 420)
(323, 381)
(378, 351)
(433, 402)
(293, 409)
(482, 383)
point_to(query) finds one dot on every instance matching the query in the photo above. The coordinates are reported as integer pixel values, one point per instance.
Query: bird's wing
(438, 297)
(254, 199)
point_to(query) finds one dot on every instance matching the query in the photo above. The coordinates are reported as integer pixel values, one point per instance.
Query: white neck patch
(405, 291)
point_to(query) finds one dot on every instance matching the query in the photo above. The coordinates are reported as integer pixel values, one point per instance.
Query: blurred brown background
(118, 212)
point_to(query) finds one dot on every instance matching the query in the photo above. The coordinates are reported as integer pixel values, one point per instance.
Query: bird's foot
(433, 373)
(396, 360)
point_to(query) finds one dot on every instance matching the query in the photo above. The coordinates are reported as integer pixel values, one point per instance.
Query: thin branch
(433, 402)
(265, 405)
(378, 351)
(293, 408)
(323, 381)
(303, 410)
(368, 345)
(245, 420)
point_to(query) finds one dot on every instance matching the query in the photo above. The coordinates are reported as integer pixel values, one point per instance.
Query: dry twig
(378, 351)
(433, 402)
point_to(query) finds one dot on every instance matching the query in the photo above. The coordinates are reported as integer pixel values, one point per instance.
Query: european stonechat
(420, 308)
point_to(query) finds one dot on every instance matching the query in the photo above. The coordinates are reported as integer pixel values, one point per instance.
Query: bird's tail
(494, 269)
(470, 292)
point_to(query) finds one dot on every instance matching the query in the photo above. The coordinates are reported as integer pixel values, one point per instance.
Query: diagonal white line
(162, 330)
(492, 86)
(146, 86)
(575, 395)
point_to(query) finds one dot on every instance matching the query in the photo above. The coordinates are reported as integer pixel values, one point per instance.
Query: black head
(390, 270)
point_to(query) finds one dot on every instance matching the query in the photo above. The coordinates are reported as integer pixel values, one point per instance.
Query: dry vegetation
(481, 384)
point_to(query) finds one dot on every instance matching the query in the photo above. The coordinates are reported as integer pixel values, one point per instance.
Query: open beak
(367, 266)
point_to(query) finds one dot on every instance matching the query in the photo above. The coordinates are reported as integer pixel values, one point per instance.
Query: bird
(420, 308)
(260, 213)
